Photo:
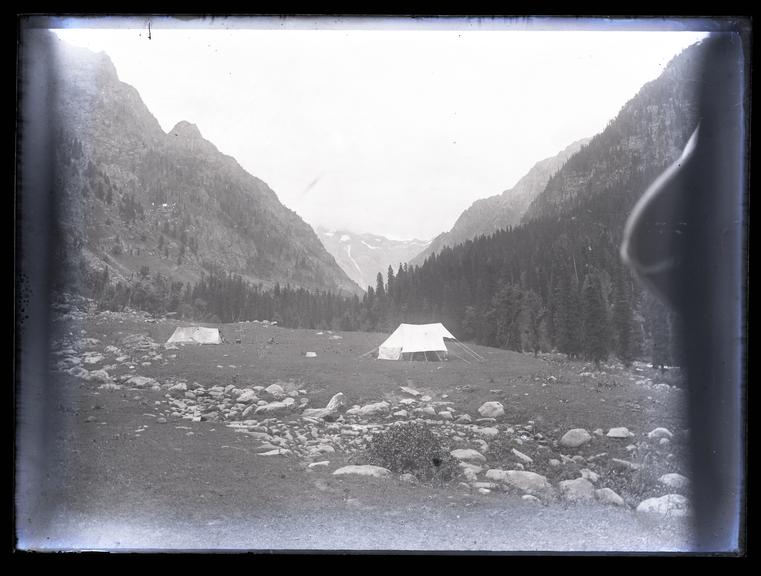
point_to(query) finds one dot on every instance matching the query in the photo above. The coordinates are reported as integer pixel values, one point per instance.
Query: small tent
(423, 341)
(195, 334)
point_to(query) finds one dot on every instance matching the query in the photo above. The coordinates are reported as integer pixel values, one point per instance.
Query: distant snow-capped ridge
(363, 256)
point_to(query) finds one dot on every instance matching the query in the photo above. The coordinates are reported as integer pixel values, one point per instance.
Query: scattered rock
(531, 498)
(409, 478)
(463, 419)
(276, 391)
(489, 432)
(364, 470)
(579, 490)
(575, 438)
(625, 464)
(522, 456)
(670, 504)
(608, 496)
(674, 480)
(99, 376)
(283, 406)
(329, 411)
(587, 474)
(468, 454)
(529, 482)
(491, 410)
(247, 397)
(620, 432)
(410, 391)
(141, 381)
(276, 452)
(376, 408)
(659, 433)
(321, 464)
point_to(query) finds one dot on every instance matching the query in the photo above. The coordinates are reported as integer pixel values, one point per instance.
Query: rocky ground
(633, 466)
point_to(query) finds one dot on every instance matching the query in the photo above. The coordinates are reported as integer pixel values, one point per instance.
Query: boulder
(625, 464)
(141, 381)
(276, 391)
(491, 410)
(674, 480)
(329, 411)
(468, 454)
(575, 438)
(668, 505)
(283, 406)
(658, 433)
(364, 470)
(99, 376)
(531, 499)
(620, 432)
(372, 409)
(579, 490)
(247, 397)
(486, 431)
(528, 482)
(521, 456)
(587, 474)
(608, 496)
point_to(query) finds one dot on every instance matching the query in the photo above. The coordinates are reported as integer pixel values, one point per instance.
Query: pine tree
(660, 335)
(596, 330)
(623, 319)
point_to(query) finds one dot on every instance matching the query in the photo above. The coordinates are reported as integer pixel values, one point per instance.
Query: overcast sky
(394, 132)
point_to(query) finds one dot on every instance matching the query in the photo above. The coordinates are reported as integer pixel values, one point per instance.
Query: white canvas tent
(425, 341)
(195, 334)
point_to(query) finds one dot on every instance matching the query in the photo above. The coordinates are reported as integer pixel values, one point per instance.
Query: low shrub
(412, 448)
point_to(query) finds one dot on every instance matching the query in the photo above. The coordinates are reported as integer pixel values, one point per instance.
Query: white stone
(401, 414)
(620, 432)
(491, 410)
(660, 433)
(276, 452)
(320, 464)
(598, 432)
(529, 482)
(608, 496)
(670, 504)
(578, 490)
(364, 470)
(531, 499)
(445, 415)
(411, 391)
(674, 480)
(575, 438)
(468, 454)
(463, 419)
